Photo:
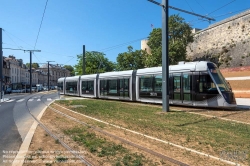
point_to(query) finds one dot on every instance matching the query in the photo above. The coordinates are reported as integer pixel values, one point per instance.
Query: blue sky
(108, 26)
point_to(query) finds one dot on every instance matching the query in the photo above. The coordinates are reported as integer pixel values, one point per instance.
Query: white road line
(20, 100)
(8, 101)
(31, 99)
(38, 99)
(48, 99)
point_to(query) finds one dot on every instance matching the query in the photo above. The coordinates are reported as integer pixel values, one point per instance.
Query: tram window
(112, 84)
(158, 83)
(60, 86)
(186, 83)
(124, 87)
(146, 83)
(103, 87)
(71, 87)
(177, 83)
(206, 85)
(87, 87)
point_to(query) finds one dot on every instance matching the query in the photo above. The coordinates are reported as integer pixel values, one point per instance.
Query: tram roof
(116, 74)
(181, 67)
(91, 76)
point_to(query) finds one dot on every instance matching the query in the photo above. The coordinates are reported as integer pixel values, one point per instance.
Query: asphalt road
(15, 121)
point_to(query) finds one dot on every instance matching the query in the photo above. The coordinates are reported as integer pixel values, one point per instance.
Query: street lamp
(165, 58)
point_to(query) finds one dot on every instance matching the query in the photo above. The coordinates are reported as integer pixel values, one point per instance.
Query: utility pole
(48, 73)
(165, 58)
(83, 60)
(31, 66)
(165, 45)
(1, 64)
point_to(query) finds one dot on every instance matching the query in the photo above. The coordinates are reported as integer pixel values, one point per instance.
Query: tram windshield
(219, 79)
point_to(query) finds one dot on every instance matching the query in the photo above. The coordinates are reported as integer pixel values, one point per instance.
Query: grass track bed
(208, 135)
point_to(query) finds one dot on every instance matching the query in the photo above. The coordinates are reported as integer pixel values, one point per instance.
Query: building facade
(17, 75)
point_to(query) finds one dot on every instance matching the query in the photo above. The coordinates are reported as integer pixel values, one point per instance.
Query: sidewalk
(243, 102)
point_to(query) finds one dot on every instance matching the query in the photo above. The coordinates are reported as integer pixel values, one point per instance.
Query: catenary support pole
(48, 76)
(30, 72)
(1, 64)
(83, 60)
(165, 58)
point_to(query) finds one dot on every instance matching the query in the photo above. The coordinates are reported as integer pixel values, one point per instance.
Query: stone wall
(226, 43)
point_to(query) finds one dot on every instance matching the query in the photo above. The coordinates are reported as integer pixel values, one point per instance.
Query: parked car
(7, 91)
(34, 89)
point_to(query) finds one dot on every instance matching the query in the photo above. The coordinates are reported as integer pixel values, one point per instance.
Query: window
(124, 87)
(88, 87)
(103, 87)
(115, 87)
(71, 87)
(146, 83)
(206, 85)
(177, 83)
(158, 83)
(60, 86)
(219, 79)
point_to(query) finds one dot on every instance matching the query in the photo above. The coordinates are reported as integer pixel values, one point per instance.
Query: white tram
(190, 83)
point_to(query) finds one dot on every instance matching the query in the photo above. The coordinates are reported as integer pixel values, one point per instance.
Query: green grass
(178, 127)
(102, 148)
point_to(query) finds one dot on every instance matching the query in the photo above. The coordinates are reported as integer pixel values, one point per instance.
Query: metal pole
(1, 63)
(83, 60)
(48, 76)
(30, 72)
(165, 58)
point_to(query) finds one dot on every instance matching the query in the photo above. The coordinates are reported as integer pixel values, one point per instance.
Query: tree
(34, 65)
(95, 63)
(179, 37)
(70, 68)
(130, 60)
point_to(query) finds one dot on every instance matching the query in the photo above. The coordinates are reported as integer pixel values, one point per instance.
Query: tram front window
(219, 79)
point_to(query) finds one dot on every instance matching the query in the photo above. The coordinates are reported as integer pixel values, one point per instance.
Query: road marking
(31, 99)
(38, 99)
(48, 99)
(20, 100)
(9, 100)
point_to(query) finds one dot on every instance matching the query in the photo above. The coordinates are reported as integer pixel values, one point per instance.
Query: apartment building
(56, 72)
(17, 74)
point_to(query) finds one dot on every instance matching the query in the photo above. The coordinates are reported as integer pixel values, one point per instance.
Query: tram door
(182, 88)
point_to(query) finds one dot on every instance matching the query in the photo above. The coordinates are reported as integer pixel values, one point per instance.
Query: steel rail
(85, 161)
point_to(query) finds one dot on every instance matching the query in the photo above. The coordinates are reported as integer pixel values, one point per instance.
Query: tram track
(71, 150)
(156, 139)
(161, 156)
(135, 145)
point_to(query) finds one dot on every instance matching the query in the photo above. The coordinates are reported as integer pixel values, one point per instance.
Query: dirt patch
(45, 150)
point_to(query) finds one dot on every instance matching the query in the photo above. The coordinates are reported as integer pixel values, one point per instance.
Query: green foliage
(179, 37)
(70, 68)
(95, 63)
(130, 60)
(34, 65)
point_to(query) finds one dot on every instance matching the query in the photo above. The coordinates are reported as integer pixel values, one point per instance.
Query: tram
(198, 84)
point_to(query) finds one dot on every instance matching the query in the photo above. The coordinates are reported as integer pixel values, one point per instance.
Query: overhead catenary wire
(40, 29)
(120, 45)
(41, 24)
(12, 39)
(221, 7)
(228, 13)
(189, 6)
(201, 6)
